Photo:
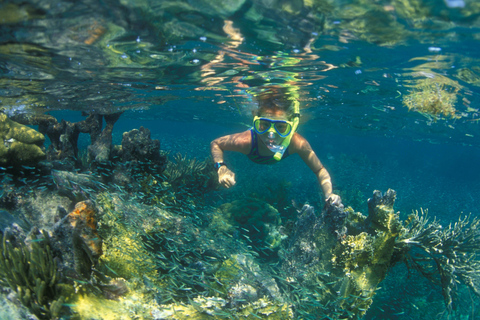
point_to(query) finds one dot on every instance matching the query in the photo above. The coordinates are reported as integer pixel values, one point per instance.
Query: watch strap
(217, 165)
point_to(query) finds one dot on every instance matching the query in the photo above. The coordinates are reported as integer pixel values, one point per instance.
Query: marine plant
(432, 98)
(447, 256)
(190, 177)
(181, 186)
(32, 273)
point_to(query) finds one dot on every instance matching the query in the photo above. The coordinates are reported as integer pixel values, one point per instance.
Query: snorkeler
(272, 138)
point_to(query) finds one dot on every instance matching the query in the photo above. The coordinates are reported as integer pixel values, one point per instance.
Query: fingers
(334, 199)
(227, 180)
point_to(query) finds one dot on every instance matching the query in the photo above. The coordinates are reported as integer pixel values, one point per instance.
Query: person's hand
(226, 177)
(334, 199)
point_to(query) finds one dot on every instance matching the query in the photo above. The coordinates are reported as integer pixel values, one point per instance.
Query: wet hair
(276, 99)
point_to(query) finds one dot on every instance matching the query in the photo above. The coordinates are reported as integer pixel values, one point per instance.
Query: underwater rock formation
(64, 135)
(335, 217)
(341, 255)
(258, 220)
(99, 150)
(75, 185)
(137, 145)
(77, 235)
(20, 144)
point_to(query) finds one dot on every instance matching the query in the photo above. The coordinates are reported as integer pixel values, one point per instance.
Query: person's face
(271, 138)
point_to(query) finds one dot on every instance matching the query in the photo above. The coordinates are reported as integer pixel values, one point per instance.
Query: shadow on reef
(128, 222)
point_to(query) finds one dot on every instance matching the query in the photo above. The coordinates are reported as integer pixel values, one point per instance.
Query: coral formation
(100, 148)
(141, 242)
(137, 145)
(259, 222)
(20, 144)
(87, 245)
(445, 256)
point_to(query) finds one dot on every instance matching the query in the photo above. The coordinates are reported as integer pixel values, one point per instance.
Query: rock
(335, 217)
(78, 237)
(21, 145)
(72, 185)
(101, 146)
(137, 145)
(246, 281)
(7, 219)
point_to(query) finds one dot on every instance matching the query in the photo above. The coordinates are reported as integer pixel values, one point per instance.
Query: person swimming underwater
(273, 137)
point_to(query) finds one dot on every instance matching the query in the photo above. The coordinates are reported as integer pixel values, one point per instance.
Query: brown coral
(19, 144)
(87, 244)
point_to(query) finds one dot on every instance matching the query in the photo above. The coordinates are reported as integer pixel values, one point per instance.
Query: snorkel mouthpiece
(286, 142)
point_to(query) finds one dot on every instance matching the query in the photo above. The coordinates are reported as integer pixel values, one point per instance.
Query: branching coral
(445, 256)
(32, 274)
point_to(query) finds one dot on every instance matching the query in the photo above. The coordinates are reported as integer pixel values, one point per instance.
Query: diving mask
(282, 127)
(272, 132)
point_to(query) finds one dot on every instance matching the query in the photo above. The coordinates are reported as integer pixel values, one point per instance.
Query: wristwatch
(217, 165)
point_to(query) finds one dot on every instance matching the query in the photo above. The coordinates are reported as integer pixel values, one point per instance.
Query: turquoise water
(370, 75)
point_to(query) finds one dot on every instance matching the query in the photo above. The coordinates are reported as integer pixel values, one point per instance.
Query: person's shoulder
(299, 143)
(240, 142)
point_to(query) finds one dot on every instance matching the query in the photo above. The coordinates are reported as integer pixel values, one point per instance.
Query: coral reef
(341, 256)
(64, 135)
(20, 144)
(258, 222)
(140, 241)
(100, 148)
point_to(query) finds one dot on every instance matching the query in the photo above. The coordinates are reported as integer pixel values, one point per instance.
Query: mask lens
(283, 128)
(262, 125)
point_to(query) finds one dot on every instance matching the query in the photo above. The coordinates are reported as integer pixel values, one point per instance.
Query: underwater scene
(240, 159)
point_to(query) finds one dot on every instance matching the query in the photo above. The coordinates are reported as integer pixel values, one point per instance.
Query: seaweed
(32, 274)
(180, 187)
(433, 98)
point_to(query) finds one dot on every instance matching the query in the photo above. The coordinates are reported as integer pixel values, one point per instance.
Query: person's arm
(301, 146)
(239, 142)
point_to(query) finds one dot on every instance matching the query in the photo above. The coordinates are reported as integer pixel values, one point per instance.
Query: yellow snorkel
(286, 142)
